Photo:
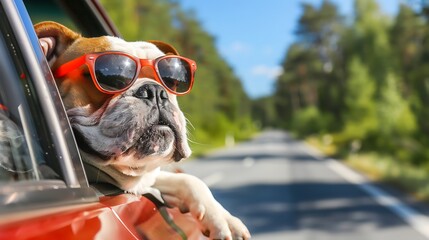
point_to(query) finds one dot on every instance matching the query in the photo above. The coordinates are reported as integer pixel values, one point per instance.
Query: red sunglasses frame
(90, 59)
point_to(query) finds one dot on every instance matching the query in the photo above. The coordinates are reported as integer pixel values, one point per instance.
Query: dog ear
(54, 38)
(164, 47)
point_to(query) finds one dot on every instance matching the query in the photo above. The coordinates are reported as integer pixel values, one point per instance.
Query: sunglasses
(115, 72)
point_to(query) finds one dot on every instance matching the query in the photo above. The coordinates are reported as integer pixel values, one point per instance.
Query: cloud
(268, 71)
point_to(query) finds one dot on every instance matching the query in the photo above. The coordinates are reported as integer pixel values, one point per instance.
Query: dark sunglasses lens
(175, 73)
(115, 72)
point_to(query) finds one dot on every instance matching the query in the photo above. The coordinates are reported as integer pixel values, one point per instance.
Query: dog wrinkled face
(130, 133)
(135, 131)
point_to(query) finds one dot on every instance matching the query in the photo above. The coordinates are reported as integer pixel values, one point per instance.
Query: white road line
(216, 177)
(248, 162)
(212, 179)
(416, 220)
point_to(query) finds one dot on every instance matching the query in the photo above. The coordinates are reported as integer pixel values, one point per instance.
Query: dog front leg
(190, 194)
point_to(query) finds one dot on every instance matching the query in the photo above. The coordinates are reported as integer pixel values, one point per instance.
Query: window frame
(33, 194)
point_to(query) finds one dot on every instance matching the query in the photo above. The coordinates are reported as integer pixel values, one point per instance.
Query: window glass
(49, 10)
(15, 160)
(24, 155)
(82, 17)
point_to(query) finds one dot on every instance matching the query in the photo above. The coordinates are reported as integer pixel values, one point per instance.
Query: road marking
(416, 220)
(216, 177)
(248, 162)
(212, 179)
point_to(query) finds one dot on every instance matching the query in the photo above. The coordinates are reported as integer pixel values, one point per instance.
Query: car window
(83, 16)
(22, 157)
(39, 160)
(49, 10)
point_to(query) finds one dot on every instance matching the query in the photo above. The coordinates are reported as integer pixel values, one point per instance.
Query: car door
(44, 193)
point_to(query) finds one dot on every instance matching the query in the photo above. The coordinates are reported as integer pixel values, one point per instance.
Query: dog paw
(217, 223)
(190, 194)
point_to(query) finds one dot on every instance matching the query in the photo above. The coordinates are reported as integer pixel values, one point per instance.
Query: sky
(254, 35)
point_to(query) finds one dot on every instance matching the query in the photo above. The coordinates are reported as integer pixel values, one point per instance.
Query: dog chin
(158, 146)
(127, 165)
(158, 140)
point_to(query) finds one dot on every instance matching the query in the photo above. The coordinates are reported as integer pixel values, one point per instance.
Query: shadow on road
(338, 207)
(291, 190)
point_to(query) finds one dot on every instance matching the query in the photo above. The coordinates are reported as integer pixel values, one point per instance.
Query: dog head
(126, 134)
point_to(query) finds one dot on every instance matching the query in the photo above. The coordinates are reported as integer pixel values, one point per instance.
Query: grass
(412, 179)
(323, 143)
(202, 145)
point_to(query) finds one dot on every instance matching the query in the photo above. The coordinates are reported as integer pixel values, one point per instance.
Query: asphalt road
(281, 189)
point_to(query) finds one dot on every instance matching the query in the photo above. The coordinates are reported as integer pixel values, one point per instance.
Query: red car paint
(124, 216)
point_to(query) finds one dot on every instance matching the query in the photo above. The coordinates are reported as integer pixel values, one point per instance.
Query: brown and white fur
(130, 135)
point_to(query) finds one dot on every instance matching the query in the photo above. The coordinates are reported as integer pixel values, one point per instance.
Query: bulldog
(121, 100)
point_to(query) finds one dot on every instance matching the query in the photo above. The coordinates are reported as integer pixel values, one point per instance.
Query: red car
(44, 192)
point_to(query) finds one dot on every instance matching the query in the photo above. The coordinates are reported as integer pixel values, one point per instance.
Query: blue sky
(253, 35)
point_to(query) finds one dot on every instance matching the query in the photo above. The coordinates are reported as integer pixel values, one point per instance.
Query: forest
(354, 86)
(357, 88)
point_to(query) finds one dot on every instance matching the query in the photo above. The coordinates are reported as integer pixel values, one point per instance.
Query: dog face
(127, 134)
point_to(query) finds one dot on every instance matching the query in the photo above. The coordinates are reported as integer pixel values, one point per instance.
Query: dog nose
(152, 92)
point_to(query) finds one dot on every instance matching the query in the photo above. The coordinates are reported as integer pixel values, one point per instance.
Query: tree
(360, 114)
(370, 40)
(370, 43)
(312, 69)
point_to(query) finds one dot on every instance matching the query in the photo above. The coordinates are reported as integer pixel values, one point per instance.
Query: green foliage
(310, 120)
(388, 169)
(394, 112)
(217, 107)
(312, 66)
(360, 112)
(264, 111)
(364, 82)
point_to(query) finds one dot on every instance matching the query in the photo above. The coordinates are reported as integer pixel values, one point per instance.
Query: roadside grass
(202, 149)
(411, 179)
(202, 144)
